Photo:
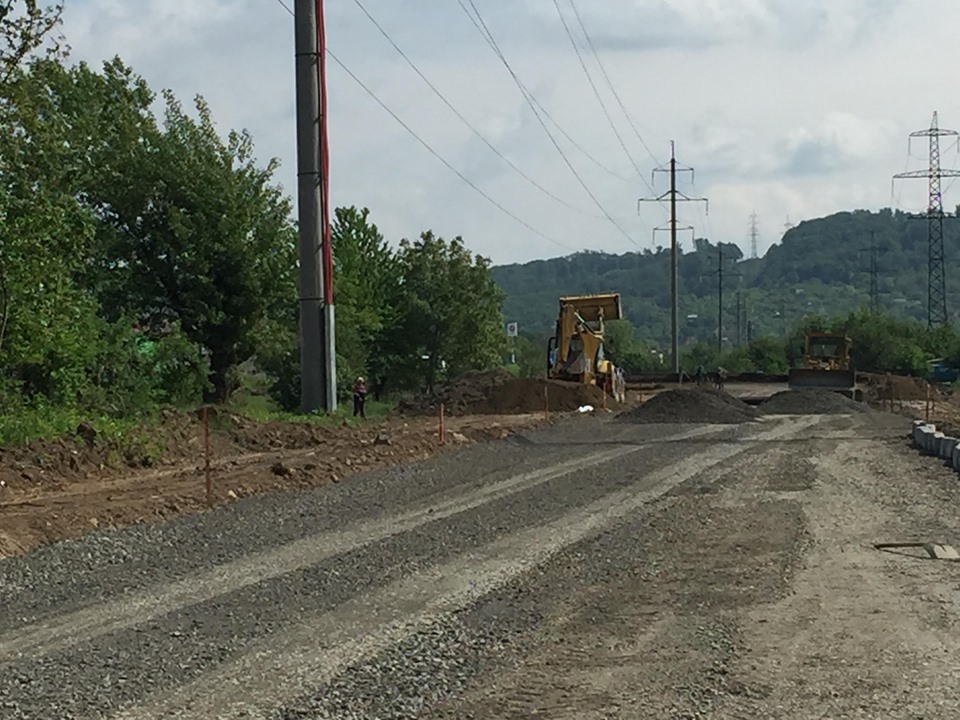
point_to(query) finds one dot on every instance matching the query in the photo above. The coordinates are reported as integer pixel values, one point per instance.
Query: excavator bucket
(590, 307)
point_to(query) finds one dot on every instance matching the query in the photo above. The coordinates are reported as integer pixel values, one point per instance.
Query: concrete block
(916, 432)
(942, 446)
(935, 443)
(926, 438)
(945, 449)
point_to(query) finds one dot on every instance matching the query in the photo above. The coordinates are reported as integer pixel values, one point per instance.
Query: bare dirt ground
(61, 489)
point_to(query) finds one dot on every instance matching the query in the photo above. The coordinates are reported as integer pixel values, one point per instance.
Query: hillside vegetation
(821, 267)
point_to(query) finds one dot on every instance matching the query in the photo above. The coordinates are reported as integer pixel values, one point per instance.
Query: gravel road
(589, 570)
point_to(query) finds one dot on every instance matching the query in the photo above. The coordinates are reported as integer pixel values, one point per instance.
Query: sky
(789, 109)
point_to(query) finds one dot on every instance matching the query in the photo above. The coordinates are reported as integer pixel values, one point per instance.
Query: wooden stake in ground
(546, 403)
(206, 456)
(928, 403)
(440, 432)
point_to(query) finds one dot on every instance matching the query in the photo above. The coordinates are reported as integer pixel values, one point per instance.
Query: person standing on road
(359, 398)
(721, 378)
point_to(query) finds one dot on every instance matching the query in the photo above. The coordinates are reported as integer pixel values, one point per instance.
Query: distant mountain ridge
(821, 266)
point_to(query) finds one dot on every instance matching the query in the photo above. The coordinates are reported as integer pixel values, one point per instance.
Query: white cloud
(785, 107)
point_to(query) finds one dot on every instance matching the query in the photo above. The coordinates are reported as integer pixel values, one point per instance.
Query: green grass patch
(344, 414)
(133, 440)
(27, 424)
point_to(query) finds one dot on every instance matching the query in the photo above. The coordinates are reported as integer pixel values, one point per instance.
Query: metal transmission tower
(754, 234)
(673, 194)
(936, 274)
(318, 358)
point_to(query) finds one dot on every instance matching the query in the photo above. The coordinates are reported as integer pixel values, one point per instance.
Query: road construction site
(687, 556)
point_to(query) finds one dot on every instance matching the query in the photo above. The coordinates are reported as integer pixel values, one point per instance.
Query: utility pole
(673, 193)
(874, 274)
(719, 272)
(318, 359)
(754, 233)
(741, 317)
(719, 299)
(936, 272)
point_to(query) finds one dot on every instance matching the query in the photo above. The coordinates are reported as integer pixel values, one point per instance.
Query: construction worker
(698, 376)
(721, 377)
(359, 397)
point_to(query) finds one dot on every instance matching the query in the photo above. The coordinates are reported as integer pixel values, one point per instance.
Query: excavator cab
(575, 352)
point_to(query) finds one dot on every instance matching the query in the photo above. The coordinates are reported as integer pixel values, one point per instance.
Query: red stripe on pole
(326, 250)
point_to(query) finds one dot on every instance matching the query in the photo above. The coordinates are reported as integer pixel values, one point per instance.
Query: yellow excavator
(826, 365)
(575, 352)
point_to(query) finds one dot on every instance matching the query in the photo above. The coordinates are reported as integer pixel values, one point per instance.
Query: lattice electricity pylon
(936, 272)
(754, 236)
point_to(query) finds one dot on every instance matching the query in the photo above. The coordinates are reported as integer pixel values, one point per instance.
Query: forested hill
(821, 266)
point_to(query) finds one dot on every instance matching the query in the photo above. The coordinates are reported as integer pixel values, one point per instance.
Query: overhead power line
(466, 122)
(439, 157)
(613, 90)
(433, 152)
(532, 98)
(596, 92)
(533, 107)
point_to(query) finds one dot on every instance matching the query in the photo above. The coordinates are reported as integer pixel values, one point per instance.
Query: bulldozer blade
(843, 381)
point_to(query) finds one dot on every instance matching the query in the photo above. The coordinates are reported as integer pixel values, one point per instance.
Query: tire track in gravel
(63, 631)
(287, 665)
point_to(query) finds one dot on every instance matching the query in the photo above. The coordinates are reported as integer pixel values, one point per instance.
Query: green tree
(63, 127)
(198, 236)
(768, 355)
(25, 26)
(367, 283)
(618, 340)
(531, 356)
(449, 313)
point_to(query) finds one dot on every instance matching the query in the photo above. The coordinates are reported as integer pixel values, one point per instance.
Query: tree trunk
(221, 364)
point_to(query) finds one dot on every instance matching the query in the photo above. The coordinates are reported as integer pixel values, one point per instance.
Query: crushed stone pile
(811, 402)
(500, 393)
(691, 406)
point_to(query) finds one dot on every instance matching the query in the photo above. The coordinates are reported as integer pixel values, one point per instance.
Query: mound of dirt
(810, 402)
(691, 406)
(499, 393)
(895, 387)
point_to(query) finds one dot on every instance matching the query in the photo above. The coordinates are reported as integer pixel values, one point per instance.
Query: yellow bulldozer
(826, 365)
(576, 353)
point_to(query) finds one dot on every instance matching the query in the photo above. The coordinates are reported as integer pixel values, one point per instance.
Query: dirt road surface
(592, 569)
